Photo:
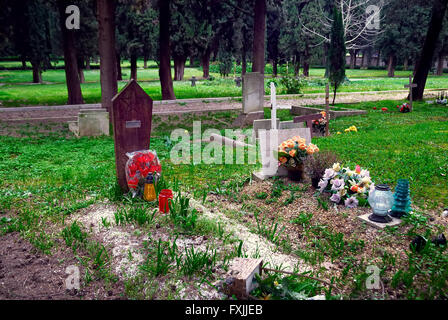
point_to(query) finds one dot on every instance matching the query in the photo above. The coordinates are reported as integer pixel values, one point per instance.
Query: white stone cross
(410, 86)
(273, 107)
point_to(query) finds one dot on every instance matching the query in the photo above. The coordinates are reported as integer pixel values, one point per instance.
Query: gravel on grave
(122, 240)
(338, 219)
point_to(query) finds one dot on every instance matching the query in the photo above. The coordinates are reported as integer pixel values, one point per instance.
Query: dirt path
(188, 106)
(28, 274)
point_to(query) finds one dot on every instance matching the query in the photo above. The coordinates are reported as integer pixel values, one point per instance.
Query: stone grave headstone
(91, 123)
(193, 81)
(253, 92)
(238, 81)
(131, 118)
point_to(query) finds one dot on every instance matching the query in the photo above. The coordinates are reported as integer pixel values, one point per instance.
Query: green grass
(17, 89)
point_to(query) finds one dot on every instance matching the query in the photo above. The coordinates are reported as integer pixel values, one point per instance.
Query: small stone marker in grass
(238, 81)
(242, 276)
(410, 86)
(131, 118)
(193, 81)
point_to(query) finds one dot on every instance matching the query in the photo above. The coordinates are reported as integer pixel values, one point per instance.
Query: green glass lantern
(402, 199)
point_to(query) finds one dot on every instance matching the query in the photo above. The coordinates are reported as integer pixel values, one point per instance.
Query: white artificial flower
(365, 173)
(329, 174)
(323, 183)
(337, 167)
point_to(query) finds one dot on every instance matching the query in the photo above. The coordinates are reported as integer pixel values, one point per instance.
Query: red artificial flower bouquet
(139, 166)
(405, 107)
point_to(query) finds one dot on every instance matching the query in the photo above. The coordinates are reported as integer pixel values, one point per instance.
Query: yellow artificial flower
(347, 130)
(337, 167)
(339, 132)
(292, 153)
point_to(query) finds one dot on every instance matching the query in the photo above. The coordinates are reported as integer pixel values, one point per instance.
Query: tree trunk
(72, 69)
(334, 95)
(259, 36)
(306, 68)
(179, 68)
(82, 78)
(406, 64)
(145, 62)
(107, 50)
(191, 62)
(205, 62)
(88, 64)
(243, 62)
(296, 66)
(368, 58)
(166, 81)
(440, 61)
(391, 66)
(352, 59)
(119, 70)
(80, 64)
(134, 67)
(275, 68)
(363, 61)
(37, 72)
(23, 63)
(425, 61)
(378, 59)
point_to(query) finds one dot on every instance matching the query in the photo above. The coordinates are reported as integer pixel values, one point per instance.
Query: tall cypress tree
(337, 52)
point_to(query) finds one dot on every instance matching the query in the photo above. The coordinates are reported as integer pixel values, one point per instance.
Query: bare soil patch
(28, 274)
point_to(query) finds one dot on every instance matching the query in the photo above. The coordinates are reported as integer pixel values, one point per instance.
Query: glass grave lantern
(381, 200)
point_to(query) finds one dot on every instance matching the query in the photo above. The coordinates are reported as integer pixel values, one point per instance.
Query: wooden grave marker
(410, 86)
(131, 118)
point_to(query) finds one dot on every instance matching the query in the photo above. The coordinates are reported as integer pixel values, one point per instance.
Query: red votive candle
(164, 199)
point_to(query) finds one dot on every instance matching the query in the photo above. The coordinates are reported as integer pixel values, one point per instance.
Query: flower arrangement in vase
(291, 155)
(320, 124)
(347, 186)
(405, 107)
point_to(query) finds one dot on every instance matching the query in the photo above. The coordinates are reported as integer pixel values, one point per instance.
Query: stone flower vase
(315, 182)
(296, 173)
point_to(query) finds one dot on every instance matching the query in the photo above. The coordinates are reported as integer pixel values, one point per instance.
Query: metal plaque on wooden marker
(131, 118)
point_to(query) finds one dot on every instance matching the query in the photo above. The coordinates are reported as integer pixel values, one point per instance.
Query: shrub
(292, 85)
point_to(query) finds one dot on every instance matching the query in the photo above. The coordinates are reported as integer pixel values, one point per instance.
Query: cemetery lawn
(49, 180)
(17, 90)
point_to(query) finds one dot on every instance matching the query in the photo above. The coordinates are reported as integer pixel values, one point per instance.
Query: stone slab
(73, 127)
(244, 120)
(260, 124)
(290, 125)
(242, 271)
(303, 111)
(253, 92)
(93, 123)
(377, 225)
